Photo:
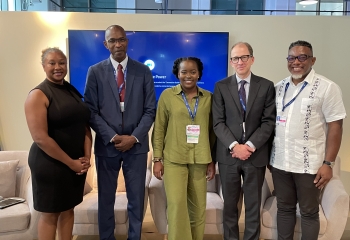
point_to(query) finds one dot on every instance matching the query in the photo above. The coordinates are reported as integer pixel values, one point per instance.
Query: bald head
(114, 28)
(116, 42)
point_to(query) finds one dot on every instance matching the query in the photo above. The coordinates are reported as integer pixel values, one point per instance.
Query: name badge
(122, 106)
(281, 120)
(192, 133)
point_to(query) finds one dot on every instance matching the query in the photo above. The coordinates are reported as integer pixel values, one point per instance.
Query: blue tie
(242, 98)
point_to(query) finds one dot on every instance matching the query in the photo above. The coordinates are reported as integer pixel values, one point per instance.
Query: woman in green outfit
(182, 141)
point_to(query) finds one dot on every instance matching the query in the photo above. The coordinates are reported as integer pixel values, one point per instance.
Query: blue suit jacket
(101, 95)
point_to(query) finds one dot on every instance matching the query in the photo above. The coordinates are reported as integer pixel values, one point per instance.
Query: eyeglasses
(243, 58)
(117, 40)
(301, 58)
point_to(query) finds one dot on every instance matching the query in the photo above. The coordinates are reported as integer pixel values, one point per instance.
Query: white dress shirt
(246, 88)
(123, 63)
(300, 145)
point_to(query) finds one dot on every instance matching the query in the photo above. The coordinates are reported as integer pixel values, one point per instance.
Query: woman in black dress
(59, 158)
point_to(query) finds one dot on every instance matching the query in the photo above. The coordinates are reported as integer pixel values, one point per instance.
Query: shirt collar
(309, 78)
(115, 63)
(247, 79)
(178, 90)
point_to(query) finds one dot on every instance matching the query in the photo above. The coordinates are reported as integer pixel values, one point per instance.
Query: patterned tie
(242, 97)
(121, 83)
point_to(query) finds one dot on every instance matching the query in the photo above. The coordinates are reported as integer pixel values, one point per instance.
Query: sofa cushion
(8, 171)
(14, 218)
(269, 216)
(87, 211)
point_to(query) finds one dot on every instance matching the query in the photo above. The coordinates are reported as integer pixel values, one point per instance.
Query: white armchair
(334, 208)
(20, 221)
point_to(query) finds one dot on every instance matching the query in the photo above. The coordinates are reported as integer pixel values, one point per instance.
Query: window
(334, 5)
(293, 7)
(305, 9)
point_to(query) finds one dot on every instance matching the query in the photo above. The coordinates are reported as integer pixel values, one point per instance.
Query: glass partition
(196, 7)
(305, 9)
(332, 5)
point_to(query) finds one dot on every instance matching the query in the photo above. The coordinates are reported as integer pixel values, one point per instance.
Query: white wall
(24, 34)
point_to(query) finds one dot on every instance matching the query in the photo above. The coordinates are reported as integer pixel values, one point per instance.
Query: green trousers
(186, 189)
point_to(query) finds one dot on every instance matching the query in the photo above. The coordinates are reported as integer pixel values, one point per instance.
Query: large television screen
(158, 50)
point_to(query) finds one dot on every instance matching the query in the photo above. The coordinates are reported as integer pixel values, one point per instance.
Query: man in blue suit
(120, 94)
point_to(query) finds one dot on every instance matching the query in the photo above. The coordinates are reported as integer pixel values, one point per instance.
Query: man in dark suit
(244, 115)
(120, 94)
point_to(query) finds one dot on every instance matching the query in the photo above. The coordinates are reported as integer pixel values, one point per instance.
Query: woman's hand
(76, 165)
(210, 171)
(85, 161)
(158, 170)
(80, 166)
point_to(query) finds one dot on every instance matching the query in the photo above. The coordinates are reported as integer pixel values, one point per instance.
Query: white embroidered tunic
(300, 145)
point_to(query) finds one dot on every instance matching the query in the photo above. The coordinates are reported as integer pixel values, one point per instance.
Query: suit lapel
(253, 92)
(130, 77)
(233, 89)
(110, 74)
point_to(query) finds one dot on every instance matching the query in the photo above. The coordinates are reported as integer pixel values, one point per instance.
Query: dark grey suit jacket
(102, 97)
(260, 118)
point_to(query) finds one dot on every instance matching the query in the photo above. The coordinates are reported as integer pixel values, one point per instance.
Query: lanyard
(121, 85)
(293, 99)
(192, 114)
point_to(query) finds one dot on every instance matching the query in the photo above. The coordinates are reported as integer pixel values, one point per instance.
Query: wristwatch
(330, 164)
(157, 160)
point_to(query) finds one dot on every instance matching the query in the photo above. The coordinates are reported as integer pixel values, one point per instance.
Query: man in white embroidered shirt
(310, 113)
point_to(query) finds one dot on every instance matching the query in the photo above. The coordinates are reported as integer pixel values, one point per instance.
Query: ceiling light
(308, 2)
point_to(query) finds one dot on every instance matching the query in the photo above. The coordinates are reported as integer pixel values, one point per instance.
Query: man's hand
(116, 139)
(210, 171)
(324, 174)
(242, 151)
(123, 143)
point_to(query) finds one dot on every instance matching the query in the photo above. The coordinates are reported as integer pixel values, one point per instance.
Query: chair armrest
(218, 185)
(157, 199)
(337, 167)
(34, 215)
(89, 180)
(335, 205)
(90, 175)
(265, 193)
(147, 182)
(148, 178)
(149, 168)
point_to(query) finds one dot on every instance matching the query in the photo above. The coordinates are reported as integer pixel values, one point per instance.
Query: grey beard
(297, 76)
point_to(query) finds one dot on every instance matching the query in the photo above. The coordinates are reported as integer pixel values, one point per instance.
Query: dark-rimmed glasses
(301, 58)
(244, 58)
(117, 40)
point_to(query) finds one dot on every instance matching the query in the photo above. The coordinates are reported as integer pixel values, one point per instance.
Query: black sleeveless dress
(57, 188)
